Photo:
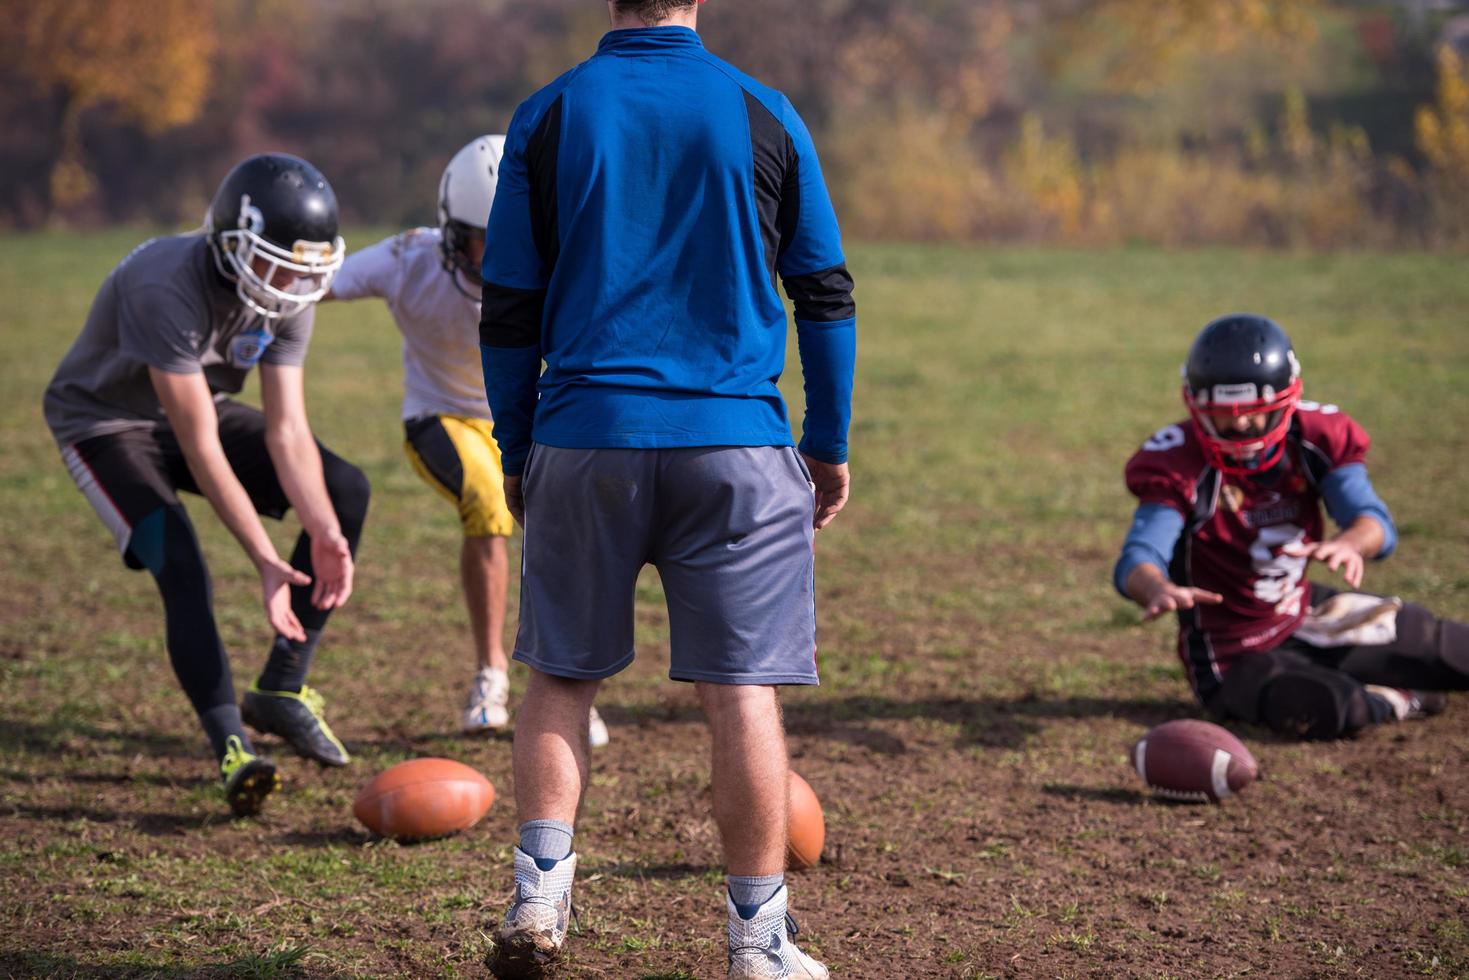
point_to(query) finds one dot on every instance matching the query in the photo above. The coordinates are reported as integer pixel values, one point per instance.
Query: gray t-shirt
(164, 306)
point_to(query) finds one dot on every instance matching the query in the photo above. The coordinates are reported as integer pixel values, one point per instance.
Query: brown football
(808, 826)
(423, 798)
(1193, 761)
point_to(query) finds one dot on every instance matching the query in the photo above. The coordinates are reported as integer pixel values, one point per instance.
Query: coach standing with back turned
(647, 200)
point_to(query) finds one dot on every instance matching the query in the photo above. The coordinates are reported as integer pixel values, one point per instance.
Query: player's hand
(331, 559)
(515, 499)
(833, 481)
(1338, 555)
(1171, 598)
(276, 579)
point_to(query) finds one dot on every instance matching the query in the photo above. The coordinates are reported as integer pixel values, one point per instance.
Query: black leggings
(1305, 691)
(140, 473)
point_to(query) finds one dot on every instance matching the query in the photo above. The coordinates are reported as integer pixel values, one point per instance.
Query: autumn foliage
(146, 61)
(1096, 122)
(1443, 136)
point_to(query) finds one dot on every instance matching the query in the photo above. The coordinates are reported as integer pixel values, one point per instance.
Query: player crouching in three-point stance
(139, 407)
(649, 199)
(1229, 515)
(430, 278)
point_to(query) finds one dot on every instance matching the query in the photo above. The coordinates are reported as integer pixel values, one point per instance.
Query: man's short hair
(652, 11)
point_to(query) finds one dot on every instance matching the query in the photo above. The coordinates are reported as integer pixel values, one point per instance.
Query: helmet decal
(307, 253)
(1231, 394)
(251, 219)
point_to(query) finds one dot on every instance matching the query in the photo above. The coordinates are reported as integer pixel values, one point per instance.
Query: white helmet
(466, 192)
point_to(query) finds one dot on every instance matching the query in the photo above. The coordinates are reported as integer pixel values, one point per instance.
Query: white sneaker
(1409, 705)
(488, 708)
(596, 730)
(764, 947)
(535, 924)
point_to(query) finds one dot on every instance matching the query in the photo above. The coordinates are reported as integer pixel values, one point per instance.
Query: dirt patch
(971, 832)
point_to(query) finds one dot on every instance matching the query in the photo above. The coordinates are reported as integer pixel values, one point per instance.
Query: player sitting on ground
(1229, 515)
(430, 278)
(140, 410)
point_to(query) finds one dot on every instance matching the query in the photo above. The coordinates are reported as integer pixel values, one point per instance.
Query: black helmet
(273, 230)
(1242, 365)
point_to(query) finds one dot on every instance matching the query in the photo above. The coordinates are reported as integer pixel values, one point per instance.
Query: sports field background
(981, 681)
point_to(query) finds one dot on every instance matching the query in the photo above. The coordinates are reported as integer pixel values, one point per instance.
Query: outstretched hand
(331, 559)
(1170, 598)
(276, 579)
(1337, 555)
(833, 481)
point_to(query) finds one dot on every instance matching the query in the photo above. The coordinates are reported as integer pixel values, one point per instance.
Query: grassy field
(981, 681)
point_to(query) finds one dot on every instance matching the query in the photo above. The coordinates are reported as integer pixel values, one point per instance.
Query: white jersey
(440, 325)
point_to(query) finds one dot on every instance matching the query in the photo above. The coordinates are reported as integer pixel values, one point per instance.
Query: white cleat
(1410, 705)
(763, 947)
(536, 922)
(596, 730)
(488, 708)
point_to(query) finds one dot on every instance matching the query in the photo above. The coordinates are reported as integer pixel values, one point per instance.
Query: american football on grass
(423, 798)
(808, 827)
(1193, 761)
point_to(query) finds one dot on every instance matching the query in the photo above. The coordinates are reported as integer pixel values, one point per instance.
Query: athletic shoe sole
(250, 785)
(523, 956)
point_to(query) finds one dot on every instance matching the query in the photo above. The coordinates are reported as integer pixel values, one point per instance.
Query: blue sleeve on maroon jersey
(1150, 540)
(1348, 493)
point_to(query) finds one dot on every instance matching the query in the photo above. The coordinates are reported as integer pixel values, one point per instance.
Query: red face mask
(1242, 448)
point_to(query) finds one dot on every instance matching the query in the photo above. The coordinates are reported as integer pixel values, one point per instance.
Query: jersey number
(1166, 438)
(1278, 576)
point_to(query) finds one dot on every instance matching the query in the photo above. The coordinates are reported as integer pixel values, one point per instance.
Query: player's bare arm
(297, 461)
(1346, 552)
(1157, 594)
(189, 407)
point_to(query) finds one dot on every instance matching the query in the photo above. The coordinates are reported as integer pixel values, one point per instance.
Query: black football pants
(133, 481)
(1304, 691)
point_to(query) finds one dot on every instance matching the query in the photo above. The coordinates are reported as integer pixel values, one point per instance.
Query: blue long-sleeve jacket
(647, 200)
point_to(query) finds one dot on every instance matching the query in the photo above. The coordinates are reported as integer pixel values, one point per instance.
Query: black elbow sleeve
(511, 317)
(822, 297)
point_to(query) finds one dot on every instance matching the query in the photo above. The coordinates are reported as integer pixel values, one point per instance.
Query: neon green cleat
(297, 718)
(248, 778)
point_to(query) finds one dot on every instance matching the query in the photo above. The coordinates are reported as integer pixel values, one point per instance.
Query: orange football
(808, 826)
(423, 798)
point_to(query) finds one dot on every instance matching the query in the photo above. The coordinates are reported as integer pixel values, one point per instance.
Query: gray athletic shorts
(729, 530)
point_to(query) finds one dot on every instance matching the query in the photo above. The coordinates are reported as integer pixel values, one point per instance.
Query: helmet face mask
(466, 192)
(273, 281)
(273, 231)
(458, 262)
(1244, 436)
(1242, 385)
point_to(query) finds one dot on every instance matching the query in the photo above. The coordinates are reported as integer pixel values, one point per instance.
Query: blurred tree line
(1270, 122)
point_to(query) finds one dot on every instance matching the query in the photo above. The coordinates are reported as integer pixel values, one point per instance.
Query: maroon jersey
(1235, 528)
